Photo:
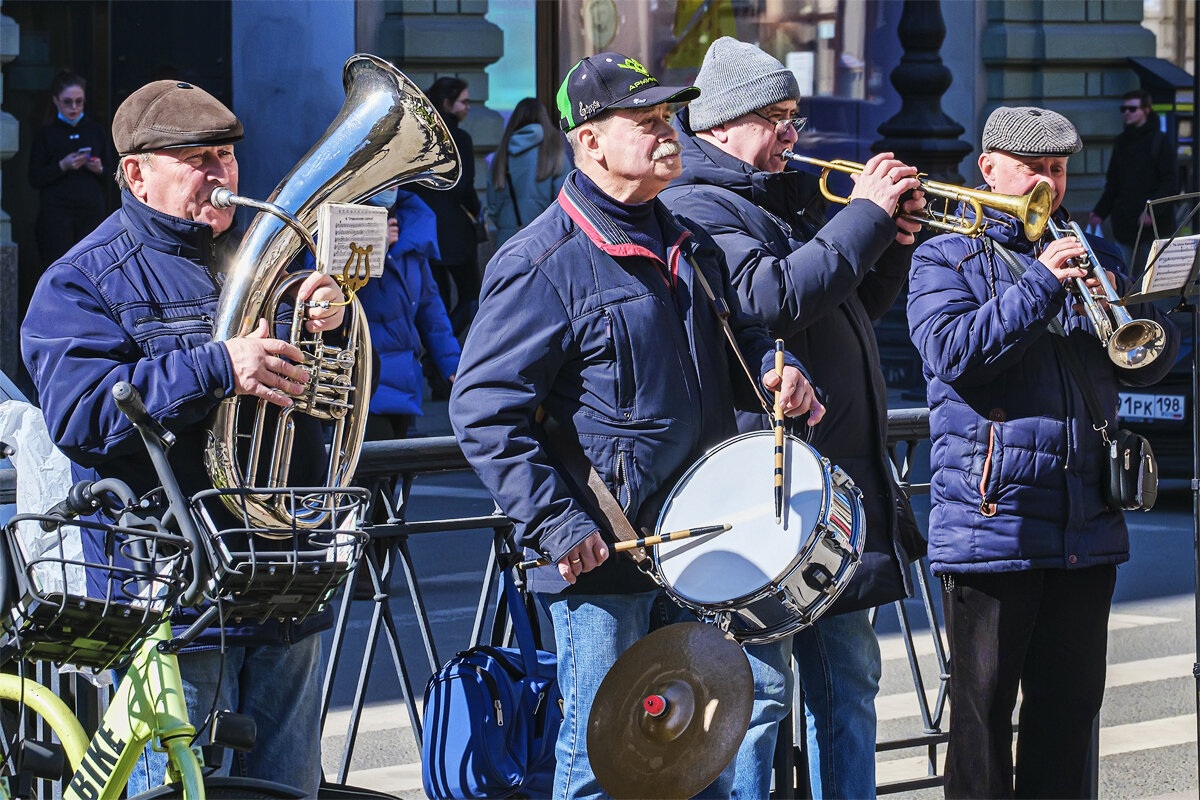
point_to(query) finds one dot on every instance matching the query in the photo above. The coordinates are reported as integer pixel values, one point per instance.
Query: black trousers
(1045, 631)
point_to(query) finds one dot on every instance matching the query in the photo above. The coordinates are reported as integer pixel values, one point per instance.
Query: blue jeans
(280, 687)
(839, 665)
(592, 631)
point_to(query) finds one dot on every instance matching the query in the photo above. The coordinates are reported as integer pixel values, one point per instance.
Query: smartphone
(85, 150)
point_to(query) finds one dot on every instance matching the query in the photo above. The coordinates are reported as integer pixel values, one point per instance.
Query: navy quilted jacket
(1017, 466)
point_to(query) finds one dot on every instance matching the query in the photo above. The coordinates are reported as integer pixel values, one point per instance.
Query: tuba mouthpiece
(222, 197)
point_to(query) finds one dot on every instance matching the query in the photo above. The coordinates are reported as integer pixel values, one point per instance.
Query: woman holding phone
(66, 166)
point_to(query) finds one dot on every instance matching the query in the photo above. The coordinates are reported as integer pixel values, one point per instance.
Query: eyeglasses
(1130, 109)
(71, 101)
(796, 123)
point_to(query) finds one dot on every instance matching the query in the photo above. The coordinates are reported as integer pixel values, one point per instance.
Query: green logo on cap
(635, 66)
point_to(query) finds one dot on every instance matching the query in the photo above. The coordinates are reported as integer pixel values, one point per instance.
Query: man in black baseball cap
(597, 314)
(611, 80)
(133, 301)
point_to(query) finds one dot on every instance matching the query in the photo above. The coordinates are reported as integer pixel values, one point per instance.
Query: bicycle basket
(93, 594)
(284, 572)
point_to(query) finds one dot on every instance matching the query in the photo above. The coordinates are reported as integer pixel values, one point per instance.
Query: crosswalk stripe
(1118, 739)
(1128, 673)
(892, 645)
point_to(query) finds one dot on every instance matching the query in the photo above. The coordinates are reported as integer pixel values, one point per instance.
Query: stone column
(427, 39)
(10, 347)
(921, 134)
(1070, 57)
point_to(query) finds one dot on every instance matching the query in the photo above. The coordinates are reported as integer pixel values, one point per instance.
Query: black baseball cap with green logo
(611, 80)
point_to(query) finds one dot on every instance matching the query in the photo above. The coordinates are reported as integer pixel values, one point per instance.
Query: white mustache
(666, 150)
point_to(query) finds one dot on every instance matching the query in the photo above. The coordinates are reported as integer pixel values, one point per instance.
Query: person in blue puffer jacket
(528, 168)
(405, 313)
(1019, 530)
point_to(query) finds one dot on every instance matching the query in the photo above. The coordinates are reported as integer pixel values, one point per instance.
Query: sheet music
(1173, 266)
(351, 238)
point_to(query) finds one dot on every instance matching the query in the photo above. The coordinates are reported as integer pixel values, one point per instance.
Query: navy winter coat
(1017, 465)
(818, 285)
(405, 312)
(577, 319)
(134, 301)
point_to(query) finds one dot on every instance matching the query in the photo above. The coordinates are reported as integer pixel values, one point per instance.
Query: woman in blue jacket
(405, 314)
(527, 170)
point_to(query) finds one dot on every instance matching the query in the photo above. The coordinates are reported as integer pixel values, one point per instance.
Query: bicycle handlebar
(130, 402)
(158, 440)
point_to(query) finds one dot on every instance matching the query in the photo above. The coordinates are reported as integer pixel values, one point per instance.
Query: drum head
(734, 484)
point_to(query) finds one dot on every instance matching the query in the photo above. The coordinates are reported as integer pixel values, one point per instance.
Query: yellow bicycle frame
(148, 705)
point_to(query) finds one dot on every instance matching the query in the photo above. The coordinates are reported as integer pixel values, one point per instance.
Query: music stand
(1169, 276)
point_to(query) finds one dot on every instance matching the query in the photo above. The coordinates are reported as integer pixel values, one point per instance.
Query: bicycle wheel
(227, 788)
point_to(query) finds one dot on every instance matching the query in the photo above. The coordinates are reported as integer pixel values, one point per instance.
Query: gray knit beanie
(735, 79)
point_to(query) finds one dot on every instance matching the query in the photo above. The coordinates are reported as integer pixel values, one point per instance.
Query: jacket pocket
(158, 336)
(989, 479)
(623, 382)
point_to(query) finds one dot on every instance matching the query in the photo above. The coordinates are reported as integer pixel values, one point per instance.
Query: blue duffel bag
(492, 716)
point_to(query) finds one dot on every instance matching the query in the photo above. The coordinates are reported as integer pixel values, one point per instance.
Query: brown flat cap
(167, 114)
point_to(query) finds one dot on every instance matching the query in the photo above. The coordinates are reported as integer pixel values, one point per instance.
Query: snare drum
(761, 580)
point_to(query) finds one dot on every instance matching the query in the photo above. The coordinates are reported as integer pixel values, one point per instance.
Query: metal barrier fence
(390, 469)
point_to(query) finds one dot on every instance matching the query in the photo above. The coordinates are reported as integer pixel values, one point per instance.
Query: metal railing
(390, 469)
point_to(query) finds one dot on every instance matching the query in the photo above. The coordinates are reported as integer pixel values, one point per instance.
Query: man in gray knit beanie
(817, 284)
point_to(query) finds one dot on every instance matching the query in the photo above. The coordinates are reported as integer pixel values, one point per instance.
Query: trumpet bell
(1136, 343)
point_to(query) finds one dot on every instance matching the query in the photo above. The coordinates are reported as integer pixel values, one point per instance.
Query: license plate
(1151, 406)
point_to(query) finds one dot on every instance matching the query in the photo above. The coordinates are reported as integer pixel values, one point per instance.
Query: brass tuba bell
(387, 133)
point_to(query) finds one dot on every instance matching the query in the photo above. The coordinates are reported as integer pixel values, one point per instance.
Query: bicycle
(154, 558)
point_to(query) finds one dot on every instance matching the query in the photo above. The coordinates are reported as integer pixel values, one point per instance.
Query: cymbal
(671, 713)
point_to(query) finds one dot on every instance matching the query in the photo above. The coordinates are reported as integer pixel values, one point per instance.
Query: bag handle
(513, 194)
(519, 614)
(1074, 365)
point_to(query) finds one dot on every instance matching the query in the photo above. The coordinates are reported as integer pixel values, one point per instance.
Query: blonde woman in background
(527, 170)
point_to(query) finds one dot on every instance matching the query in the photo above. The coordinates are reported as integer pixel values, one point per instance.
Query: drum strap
(722, 309)
(568, 449)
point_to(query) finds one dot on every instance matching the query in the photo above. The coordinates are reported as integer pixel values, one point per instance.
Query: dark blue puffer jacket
(1017, 465)
(818, 285)
(576, 318)
(134, 301)
(405, 311)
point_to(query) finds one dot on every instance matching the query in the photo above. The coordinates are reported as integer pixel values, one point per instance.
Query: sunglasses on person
(781, 124)
(1130, 109)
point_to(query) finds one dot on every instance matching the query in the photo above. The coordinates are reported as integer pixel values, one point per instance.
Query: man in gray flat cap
(818, 284)
(133, 301)
(1019, 530)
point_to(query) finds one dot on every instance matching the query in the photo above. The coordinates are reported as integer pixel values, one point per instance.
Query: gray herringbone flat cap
(735, 79)
(1029, 131)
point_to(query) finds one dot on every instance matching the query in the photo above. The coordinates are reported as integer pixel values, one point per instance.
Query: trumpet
(1129, 342)
(1033, 209)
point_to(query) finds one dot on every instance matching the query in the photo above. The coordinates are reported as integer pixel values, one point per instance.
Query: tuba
(387, 133)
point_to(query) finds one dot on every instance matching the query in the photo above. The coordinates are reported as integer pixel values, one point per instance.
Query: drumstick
(645, 541)
(779, 433)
